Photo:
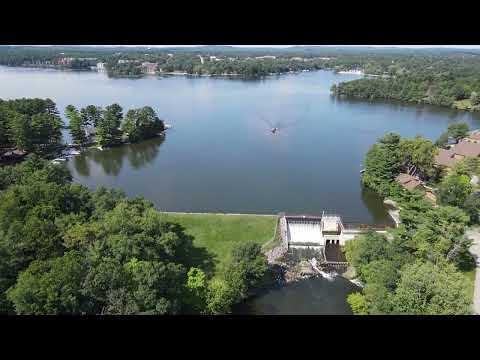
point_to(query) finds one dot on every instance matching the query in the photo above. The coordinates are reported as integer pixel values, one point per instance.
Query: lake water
(221, 157)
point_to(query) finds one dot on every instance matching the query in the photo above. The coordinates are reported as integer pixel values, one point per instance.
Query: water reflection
(111, 160)
(81, 165)
(374, 203)
(221, 156)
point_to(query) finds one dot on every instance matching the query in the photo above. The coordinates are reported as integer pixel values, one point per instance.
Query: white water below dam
(304, 232)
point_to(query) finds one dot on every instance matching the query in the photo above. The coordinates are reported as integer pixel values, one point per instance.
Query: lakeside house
(410, 182)
(149, 68)
(473, 137)
(65, 61)
(466, 147)
(123, 61)
(266, 57)
(7, 155)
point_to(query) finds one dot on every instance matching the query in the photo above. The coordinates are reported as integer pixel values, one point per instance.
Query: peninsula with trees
(423, 266)
(35, 126)
(109, 127)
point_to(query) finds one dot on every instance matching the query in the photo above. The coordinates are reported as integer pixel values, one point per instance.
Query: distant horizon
(284, 46)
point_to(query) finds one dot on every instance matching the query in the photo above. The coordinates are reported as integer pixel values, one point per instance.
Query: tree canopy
(32, 125)
(67, 250)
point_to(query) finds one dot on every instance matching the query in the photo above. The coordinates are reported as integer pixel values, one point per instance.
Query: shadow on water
(111, 160)
(81, 165)
(374, 203)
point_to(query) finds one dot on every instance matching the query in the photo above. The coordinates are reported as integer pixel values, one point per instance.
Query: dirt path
(474, 234)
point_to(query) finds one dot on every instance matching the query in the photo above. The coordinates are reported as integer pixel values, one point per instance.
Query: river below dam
(220, 155)
(313, 296)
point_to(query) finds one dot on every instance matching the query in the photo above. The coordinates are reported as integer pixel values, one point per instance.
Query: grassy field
(471, 277)
(219, 233)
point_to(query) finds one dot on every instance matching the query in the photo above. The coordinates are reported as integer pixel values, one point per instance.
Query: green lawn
(219, 233)
(471, 277)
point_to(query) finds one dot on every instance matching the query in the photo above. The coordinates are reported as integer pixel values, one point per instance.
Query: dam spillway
(304, 232)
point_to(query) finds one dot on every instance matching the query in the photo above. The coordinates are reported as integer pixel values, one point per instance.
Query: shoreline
(173, 73)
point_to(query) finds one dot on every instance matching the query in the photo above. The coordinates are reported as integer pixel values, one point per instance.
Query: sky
(284, 46)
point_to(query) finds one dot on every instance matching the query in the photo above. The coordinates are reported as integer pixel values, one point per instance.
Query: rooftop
(330, 224)
(475, 135)
(408, 181)
(445, 158)
(466, 148)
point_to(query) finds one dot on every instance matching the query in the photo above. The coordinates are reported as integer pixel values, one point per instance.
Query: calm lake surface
(221, 157)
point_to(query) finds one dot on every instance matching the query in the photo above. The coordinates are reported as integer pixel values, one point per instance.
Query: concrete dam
(326, 234)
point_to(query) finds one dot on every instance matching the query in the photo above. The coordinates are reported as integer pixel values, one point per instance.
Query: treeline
(108, 127)
(192, 65)
(419, 267)
(31, 125)
(50, 57)
(452, 81)
(67, 250)
(244, 67)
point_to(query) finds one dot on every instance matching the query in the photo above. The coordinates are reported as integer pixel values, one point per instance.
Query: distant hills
(317, 50)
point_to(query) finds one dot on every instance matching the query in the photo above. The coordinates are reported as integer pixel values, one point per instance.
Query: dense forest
(31, 125)
(67, 250)
(452, 80)
(419, 267)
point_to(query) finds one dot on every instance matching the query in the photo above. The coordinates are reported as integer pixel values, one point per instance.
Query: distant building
(122, 61)
(201, 58)
(149, 68)
(266, 57)
(65, 61)
(214, 58)
(171, 55)
(100, 66)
